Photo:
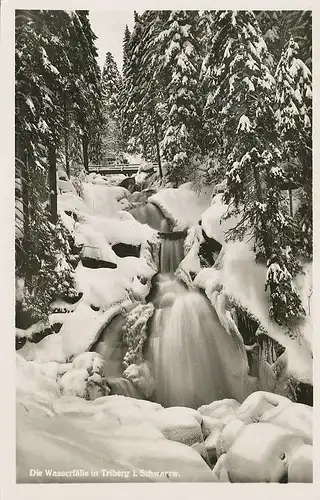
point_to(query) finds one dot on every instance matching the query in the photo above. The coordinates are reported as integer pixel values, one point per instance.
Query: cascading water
(171, 251)
(149, 213)
(171, 248)
(194, 361)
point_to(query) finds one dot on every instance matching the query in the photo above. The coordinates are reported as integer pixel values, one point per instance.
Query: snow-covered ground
(65, 414)
(57, 428)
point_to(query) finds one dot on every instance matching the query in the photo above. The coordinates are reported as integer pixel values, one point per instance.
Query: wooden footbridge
(126, 169)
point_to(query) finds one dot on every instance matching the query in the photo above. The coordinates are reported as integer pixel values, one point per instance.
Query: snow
(182, 206)
(79, 331)
(242, 279)
(113, 432)
(213, 223)
(249, 83)
(244, 124)
(104, 200)
(115, 230)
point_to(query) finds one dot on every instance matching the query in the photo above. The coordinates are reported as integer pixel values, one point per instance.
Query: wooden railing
(122, 168)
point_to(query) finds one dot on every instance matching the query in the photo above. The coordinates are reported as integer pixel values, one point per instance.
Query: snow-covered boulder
(213, 222)
(301, 466)
(261, 453)
(183, 207)
(220, 409)
(228, 435)
(92, 362)
(220, 470)
(141, 377)
(79, 382)
(179, 424)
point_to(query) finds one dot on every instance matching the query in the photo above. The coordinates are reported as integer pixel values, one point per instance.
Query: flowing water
(171, 251)
(150, 214)
(194, 360)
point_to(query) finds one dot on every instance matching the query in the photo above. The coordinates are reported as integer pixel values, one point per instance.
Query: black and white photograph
(163, 173)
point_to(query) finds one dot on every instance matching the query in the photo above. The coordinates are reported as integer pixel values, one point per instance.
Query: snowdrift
(111, 433)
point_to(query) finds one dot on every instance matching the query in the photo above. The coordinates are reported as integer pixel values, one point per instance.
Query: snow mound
(182, 206)
(79, 331)
(105, 200)
(120, 230)
(213, 223)
(114, 433)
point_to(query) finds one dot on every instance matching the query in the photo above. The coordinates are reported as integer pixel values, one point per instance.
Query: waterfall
(148, 213)
(171, 250)
(193, 359)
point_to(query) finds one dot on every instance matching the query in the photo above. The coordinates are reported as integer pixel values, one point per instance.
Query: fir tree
(131, 119)
(241, 106)
(180, 62)
(55, 66)
(294, 123)
(126, 45)
(87, 89)
(278, 26)
(111, 86)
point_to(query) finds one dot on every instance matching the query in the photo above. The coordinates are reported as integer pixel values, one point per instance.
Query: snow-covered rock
(228, 435)
(301, 466)
(74, 382)
(179, 424)
(183, 207)
(213, 222)
(261, 453)
(102, 199)
(113, 432)
(220, 469)
(92, 362)
(239, 277)
(258, 403)
(219, 409)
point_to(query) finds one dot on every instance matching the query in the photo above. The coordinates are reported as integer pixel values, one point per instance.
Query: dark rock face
(23, 319)
(74, 299)
(128, 183)
(125, 250)
(208, 250)
(20, 343)
(97, 264)
(304, 394)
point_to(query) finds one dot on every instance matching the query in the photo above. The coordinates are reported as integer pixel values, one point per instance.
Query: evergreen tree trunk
(291, 202)
(260, 200)
(158, 149)
(66, 136)
(143, 144)
(53, 183)
(85, 152)
(22, 156)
